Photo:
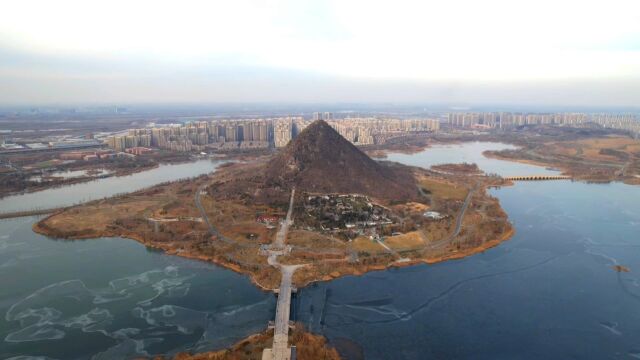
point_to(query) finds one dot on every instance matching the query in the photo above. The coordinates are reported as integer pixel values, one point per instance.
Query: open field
(411, 240)
(364, 244)
(443, 189)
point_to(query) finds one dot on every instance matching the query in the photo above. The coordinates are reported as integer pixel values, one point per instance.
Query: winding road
(441, 243)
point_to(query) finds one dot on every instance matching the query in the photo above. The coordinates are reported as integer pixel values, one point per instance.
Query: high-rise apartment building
(282, 132)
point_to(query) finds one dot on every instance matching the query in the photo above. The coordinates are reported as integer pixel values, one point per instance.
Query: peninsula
(317, 210)
(351, 214)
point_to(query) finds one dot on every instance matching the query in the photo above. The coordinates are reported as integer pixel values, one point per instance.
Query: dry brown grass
(98, 217)
(416, 207)
(608, 142)
(313, 240)
(238, 221)
(363, 243)
(411, 240)
(591, 147)
(565, 149)
(443, 189)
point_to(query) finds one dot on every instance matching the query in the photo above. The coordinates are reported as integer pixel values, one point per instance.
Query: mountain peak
(319, 159)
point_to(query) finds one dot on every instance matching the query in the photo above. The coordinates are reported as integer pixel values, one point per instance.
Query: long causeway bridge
(17, 214)
(281, 349)
(537, 177)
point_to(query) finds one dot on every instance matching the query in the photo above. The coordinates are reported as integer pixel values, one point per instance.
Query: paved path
(456, 231)
(281, 236)
(391, 251)
(281, 349)
(212, 230)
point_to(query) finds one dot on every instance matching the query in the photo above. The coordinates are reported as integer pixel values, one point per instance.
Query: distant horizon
(309, 107)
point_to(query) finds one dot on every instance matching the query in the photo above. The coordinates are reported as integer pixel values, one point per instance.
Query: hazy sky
(546, 52)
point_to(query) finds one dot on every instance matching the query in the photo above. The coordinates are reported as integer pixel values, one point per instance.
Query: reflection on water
(549, 292)
(73, 194)
(111, 299)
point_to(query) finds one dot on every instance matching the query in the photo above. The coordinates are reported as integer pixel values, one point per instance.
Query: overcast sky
(539, 52)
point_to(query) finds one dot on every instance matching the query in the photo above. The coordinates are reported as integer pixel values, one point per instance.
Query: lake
(469, 152)
(549, 292)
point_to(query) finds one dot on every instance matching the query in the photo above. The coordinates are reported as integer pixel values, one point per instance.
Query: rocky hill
(318, 160)
(321, 160)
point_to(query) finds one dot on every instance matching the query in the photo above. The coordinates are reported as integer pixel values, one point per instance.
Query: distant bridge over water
(35, 212)
(537, 177)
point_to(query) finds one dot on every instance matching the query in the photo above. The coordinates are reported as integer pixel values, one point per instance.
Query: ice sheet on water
(47, 313)
(164, 281)
(95, 320)
(67, 309)
(127, 348)
(9, 263)
(185, 320)
(171, 287)
(216, 332)
(48, 324)
(40, 299)
(35, 332)
(6, 244)
(611, 326)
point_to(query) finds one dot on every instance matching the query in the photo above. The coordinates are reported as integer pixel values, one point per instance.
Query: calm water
(549, 292)
(470, 152)
(74, 194)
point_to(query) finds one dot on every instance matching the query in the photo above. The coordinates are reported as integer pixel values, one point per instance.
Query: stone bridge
(537, 177)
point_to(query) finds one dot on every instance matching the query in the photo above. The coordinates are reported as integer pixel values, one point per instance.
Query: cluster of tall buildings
(370, 131)
(135, 138)
(322, 116)
(359, 131)
(262, 133)
(285, 129)
(507, 119)
(197, 136)
(627, 122)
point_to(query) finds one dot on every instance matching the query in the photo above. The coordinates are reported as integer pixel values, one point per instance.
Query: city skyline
(460, 52)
